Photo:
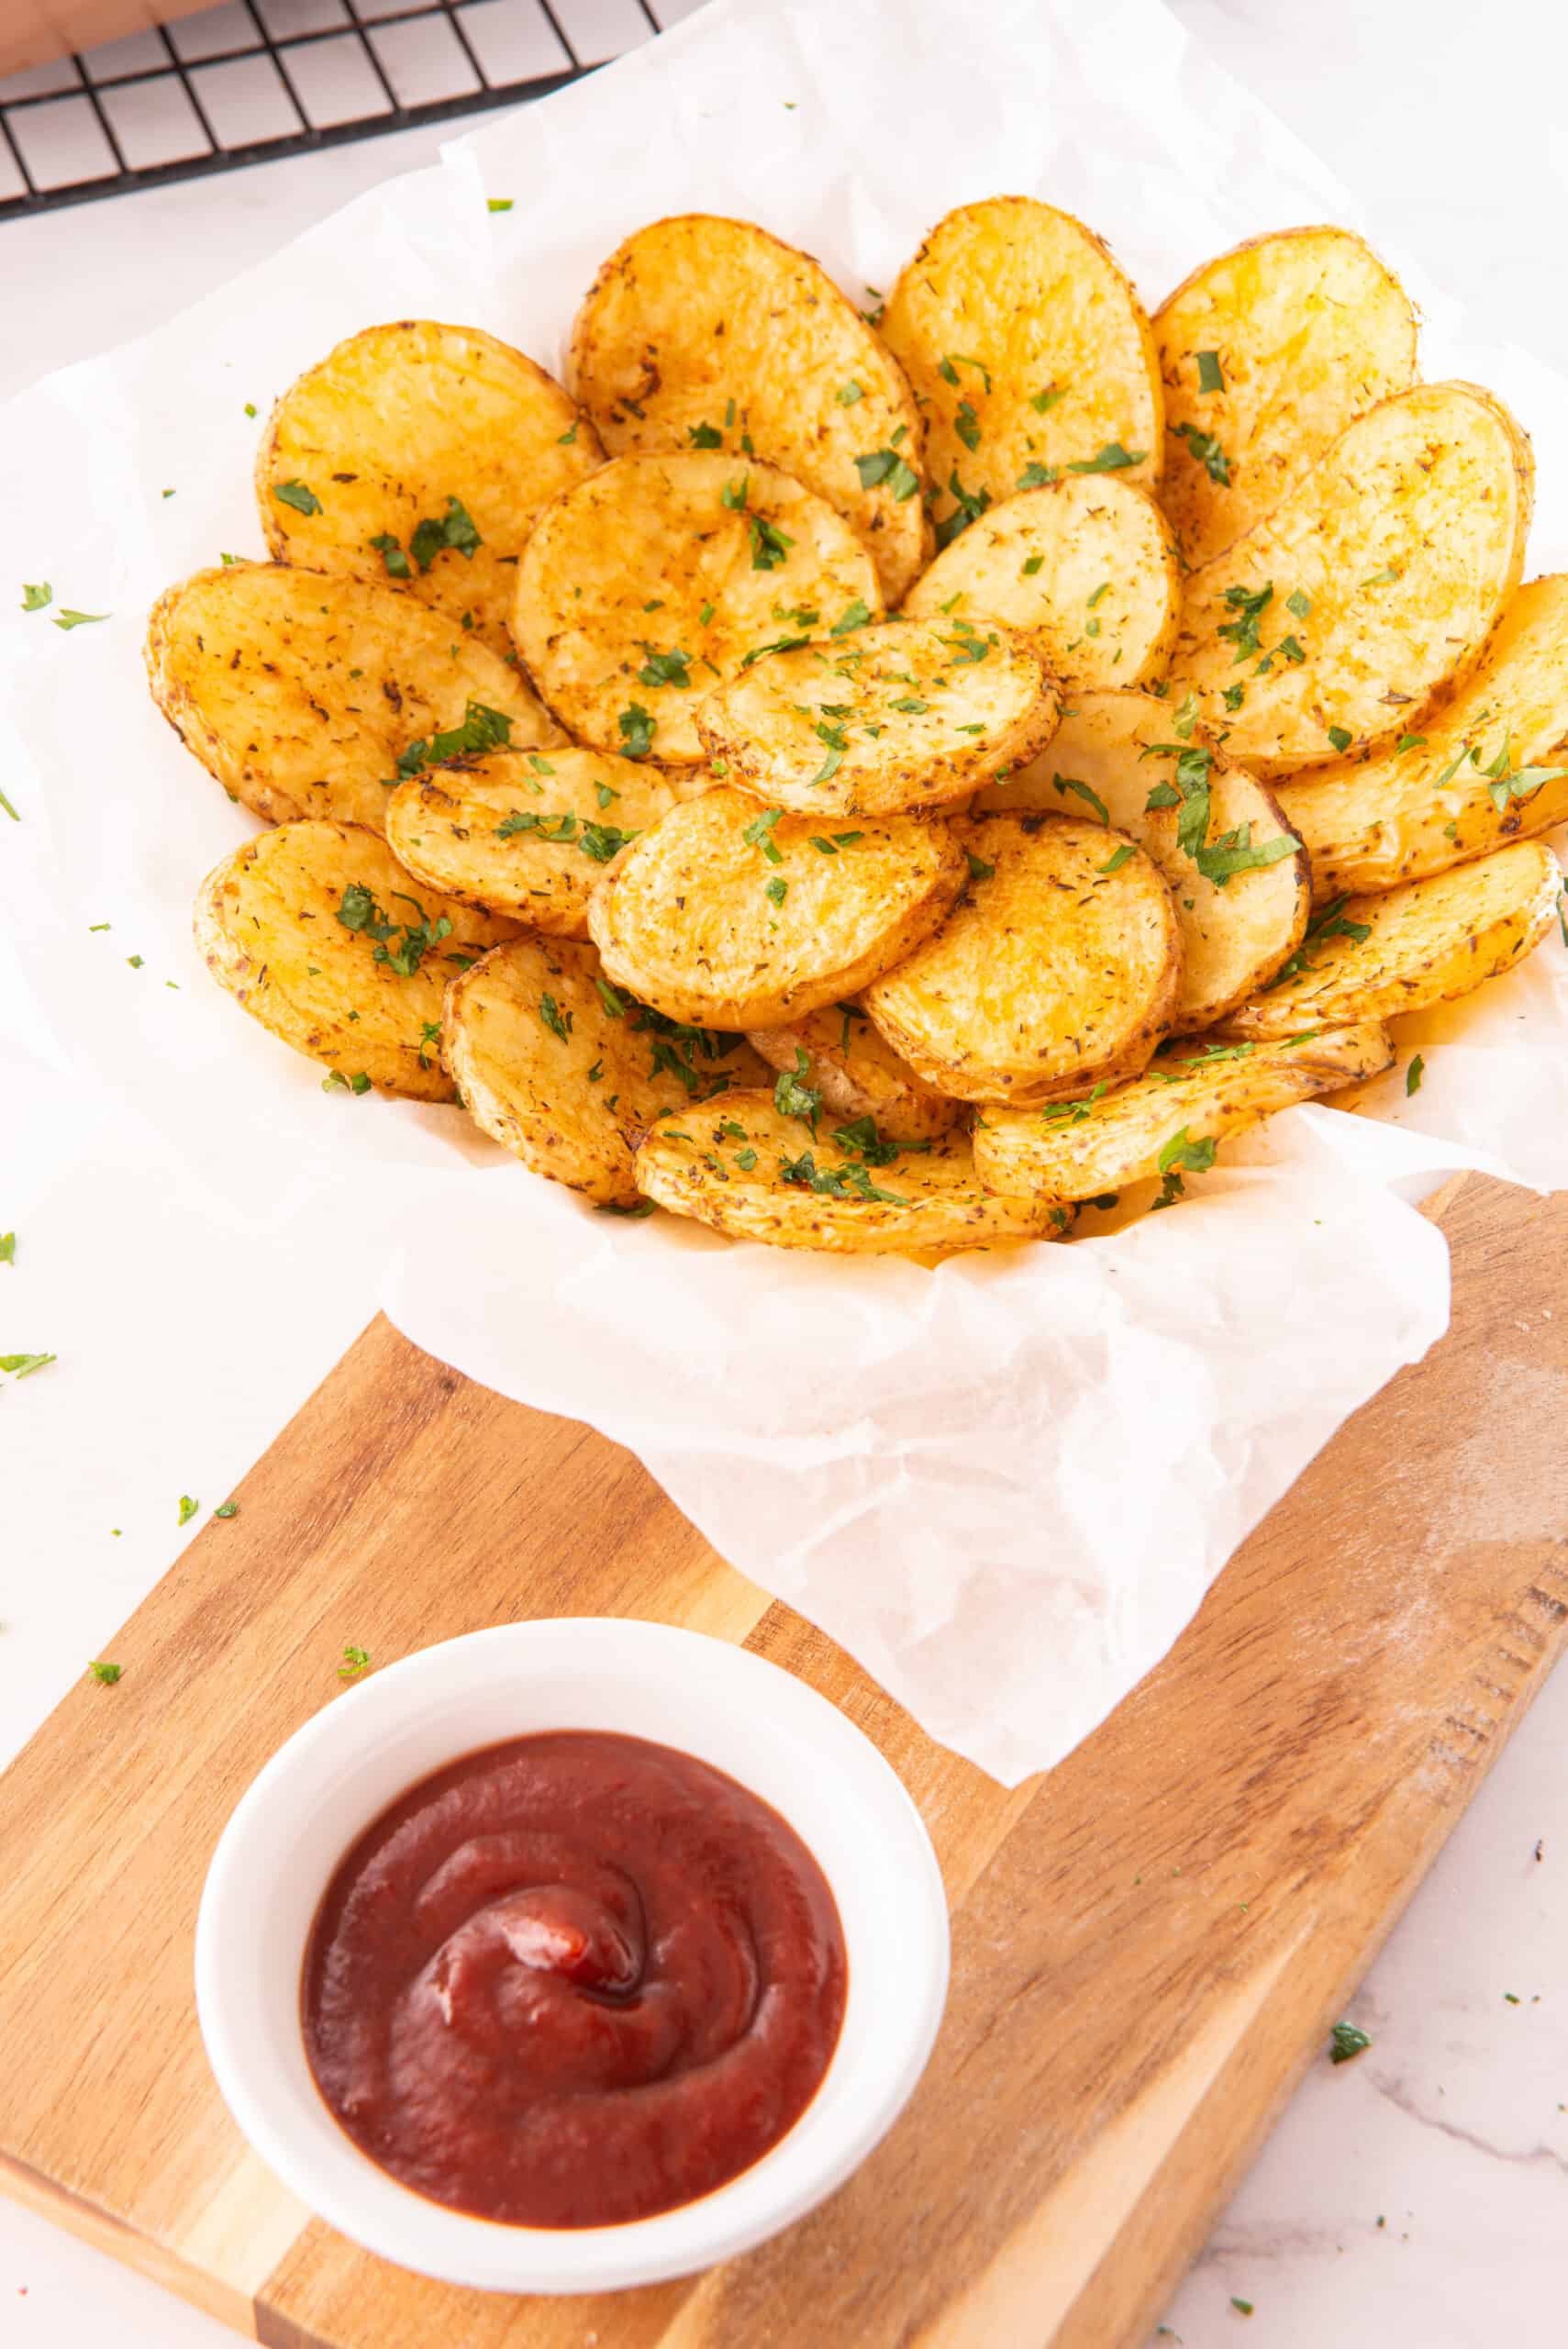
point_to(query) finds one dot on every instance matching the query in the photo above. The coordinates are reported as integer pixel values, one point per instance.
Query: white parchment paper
(1006, 1484)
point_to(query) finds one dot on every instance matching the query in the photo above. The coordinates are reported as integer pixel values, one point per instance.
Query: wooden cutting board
(1149, 1944)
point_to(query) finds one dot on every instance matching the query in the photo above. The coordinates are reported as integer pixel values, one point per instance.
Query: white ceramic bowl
(731, 1708)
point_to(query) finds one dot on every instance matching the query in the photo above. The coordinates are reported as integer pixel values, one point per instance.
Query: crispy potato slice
(312, 928)
(1029, 353)
(659, 577)
(567, 1072)
(301, 691)
(724, 1164)
(423, 453)
(1374, 582)
(1052, 973)
(909, 715)
(1237, 926)
(858, 1072)
(1087, 570)
(736, 916)
(524, 832)
(1267, 353)
(1490, 764)
(1080, 1150)
(710, 334)
(1425, 942)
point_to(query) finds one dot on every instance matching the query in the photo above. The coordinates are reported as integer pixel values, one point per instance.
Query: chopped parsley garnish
(430, 1037)
(793, 1097)
(746, 1159)
(34, 598)
(1346, 2042)
(295, 493)
(1298, 604)
(705, 436)
(887, 465)
(776, 889)
(734, 494)
(836, 1182)
(612, 1207)
(1504, 783)
(565, 439)
(1234, 696)
(358, 911)
(65, 617)
(1190, 791)
(833, 735)
(1067, 783)
(454, 528)
(1413, 1076)
(1410, 742)
(848, 394)
(664, 668)
(966, 424)
(24, 1366)
(1210, 378)
(779, 644)
(770, 547)
(1035, 476)
(1330, 923)
(392, 555)
(1180, 1152)
(978, 868)
(1249, 603)
(1112, 459)
(1340, 736)
(1384, 578)
(482, 728)
(852, 616)
(354, 1661)
(107, 1673)
(760, 834)
(1033, 563)
(555, 1019)
(1235, 852)
(1243, 2307)
(637, 729)
(907, 706)
(338, 1083)
(953, 360)
(839, 840)
(1119, 857)
(1206, 451)
(970, 506)
(1044, 401)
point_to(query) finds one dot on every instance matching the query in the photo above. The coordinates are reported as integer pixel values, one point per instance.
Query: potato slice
(1059, 966)
(858, 1072)
(302, 693)
(660, 577)
(725, 1164)
(422, 453)
(1087, 570)
(1188, 1094)
(703, 333)
(1374, 582)
(738, 916)
(908, 715)
(1110, 752)
(1425, 942)
(566, 1071)
(1490, 764)
(1267, 353)
(312, 928)
(524, 832)
(1029, 353)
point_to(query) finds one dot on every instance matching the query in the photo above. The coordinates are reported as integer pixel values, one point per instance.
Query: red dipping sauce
(572, 1980)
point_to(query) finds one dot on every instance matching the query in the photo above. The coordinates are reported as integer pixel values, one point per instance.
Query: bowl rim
(748, 1695)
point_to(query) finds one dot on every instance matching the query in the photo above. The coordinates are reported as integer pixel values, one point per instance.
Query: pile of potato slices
(880, 781)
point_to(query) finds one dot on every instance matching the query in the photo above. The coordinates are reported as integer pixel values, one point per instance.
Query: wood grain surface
(1149, 1943)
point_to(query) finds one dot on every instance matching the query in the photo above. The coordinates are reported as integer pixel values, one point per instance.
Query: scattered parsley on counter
(106, 1674)
(355, 1661)
(1346, 2043)
(498, 204)
(8, 1247)
(24, 1366)
(249, 407)
(34, 598)
(1413, 1076)
(1243, 2308)
(67, 618)
(188, 1508)
(9, 809)
(229, 1508)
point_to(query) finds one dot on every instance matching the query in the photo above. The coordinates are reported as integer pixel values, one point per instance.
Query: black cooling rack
(273, 45)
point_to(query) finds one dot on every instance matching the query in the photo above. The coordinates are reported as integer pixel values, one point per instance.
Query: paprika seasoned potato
(524, 832)
(1059, 967)
(1266, 354)
(910, 714)
(1372, 585)
(753, 1172)
(1425, 942)
(661, 577)
(1490, 764)
(705, 333)
(857, 1073)
(566, 1071)
(736, 915)
(1029, 353)
(1237, 873)
(312, 928)
(1087, 570)
(307, 694)
(424, 454)
(1190, 1094)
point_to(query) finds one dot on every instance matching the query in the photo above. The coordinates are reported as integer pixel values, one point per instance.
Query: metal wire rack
(252, 79)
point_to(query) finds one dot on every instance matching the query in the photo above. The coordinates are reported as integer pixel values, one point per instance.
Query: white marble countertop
(1419, 2193)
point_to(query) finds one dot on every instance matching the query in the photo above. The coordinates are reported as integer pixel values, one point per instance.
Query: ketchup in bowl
(572, 1980)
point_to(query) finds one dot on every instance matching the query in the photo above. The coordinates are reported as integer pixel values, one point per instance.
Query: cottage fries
(874, 781)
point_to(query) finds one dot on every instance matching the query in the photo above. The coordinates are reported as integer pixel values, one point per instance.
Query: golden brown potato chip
(1188, 1096)
(1241, 888)
(421, 453)
(1267, 354)
(307, 695)
(703, 333)
(1029, 353)
(1489, 764)
(312, 928)
(524, 832)
(738, 916)
(1425, 942)
(567, 1070)
(1087, 570)
(840, 1054)
(661, 577)
(1060, 967)
(1374, 582)
(909, 715)
(754, 1173)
